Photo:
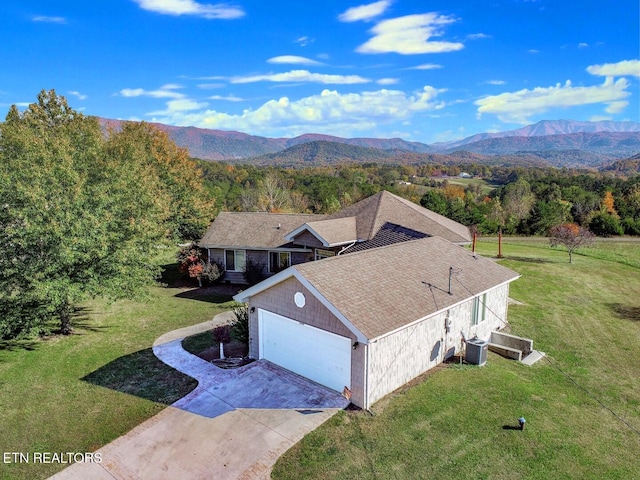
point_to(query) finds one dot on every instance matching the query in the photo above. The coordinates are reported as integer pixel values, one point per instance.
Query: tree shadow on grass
(80, 320)
(142, 374)
(529, 259)
(19, 344)
(206, 295)
(625, 312)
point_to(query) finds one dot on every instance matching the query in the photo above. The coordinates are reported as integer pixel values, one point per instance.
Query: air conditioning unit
(476, 351)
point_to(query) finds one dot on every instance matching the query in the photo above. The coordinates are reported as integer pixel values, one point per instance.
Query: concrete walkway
(234, 425)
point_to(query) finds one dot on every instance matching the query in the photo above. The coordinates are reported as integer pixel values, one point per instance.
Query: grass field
(77, 393)
(455, 422)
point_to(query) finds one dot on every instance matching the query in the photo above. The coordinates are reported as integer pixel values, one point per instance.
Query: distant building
(465, 175)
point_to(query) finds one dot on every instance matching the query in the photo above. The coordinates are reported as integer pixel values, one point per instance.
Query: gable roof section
(260, 230)
(331, 233)
(388, 234)
(384, 207)
(378, 291)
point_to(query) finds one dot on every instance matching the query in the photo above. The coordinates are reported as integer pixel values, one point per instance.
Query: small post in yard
(522, 421)
(473, 245)
(500, 244)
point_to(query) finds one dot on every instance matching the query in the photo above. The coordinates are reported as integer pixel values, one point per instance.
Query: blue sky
(422, 70)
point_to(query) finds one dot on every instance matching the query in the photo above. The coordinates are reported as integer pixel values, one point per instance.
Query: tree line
(84, 211)
(524, 201)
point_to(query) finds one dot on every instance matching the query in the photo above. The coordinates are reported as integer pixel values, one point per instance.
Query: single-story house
(278, 241)
(368, 322)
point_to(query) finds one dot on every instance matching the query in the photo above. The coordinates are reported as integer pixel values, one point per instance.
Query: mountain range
(547, 143)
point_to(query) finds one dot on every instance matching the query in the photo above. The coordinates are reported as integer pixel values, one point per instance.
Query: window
(478, 311)
(320, 253)
(235, 260)
(279, 261)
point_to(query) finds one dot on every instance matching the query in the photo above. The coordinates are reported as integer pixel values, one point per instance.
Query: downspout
(366, 379)
(347, 247)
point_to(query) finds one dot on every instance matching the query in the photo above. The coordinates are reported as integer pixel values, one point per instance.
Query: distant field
(456, 422)
(486, 187)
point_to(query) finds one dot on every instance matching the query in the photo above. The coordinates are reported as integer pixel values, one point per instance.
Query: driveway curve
(233, 425)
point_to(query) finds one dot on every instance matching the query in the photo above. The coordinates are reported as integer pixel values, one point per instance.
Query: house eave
(245, 295)
(265, 249)
(444, 309)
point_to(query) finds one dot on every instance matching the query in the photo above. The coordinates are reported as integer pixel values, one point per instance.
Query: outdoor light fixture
(355, 345)
(253, 309)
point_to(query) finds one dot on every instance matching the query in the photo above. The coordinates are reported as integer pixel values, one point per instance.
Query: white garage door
(321, 356)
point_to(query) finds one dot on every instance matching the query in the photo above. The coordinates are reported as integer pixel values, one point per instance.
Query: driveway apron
(233, 425)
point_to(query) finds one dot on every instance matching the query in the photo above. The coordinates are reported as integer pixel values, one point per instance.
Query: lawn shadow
(625, 312)
(511, 427)
(142, 374)
(528, 259)
(222, 293)
(19, 344)
(170, 275)
(80, 320)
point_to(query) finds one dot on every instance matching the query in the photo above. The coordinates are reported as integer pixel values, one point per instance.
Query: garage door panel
(321, 356)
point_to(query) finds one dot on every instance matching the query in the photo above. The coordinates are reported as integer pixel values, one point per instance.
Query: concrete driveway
(234, 425)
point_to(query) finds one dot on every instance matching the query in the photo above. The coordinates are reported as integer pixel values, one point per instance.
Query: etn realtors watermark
(51, 457)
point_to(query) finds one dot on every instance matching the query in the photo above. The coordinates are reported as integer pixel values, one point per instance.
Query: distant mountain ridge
(557, 142)
(545, 128)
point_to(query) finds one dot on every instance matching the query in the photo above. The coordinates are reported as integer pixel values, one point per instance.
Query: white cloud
(620, 69)
(78, 95)
(616, 107)
(583, 45)
(426, 66)
(45, 19)
(533, 51)
(303, 41)
(179, 106)
(495, 82)
(364, 12)
(293, 60)
(329, 112)
(387, 81)
(478, 36)
(302, 76)
(228, 98)
(191, 7)
(518, 107)
(166, 91)
(410, 35)
(211, 86)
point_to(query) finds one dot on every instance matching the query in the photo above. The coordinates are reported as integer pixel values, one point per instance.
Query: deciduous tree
(80, 216)
(571, 236)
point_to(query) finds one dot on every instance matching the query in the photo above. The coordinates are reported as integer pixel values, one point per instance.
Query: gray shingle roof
(374, 212)
(337, 231)
(253, 229)
(386, 288)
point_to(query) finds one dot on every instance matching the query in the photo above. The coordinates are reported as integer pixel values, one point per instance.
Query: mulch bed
(235, 353)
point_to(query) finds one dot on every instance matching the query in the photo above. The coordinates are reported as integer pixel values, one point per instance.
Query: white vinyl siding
(235, 260)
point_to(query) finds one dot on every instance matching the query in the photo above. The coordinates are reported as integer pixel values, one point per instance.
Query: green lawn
(454, 423)
(77, 393)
